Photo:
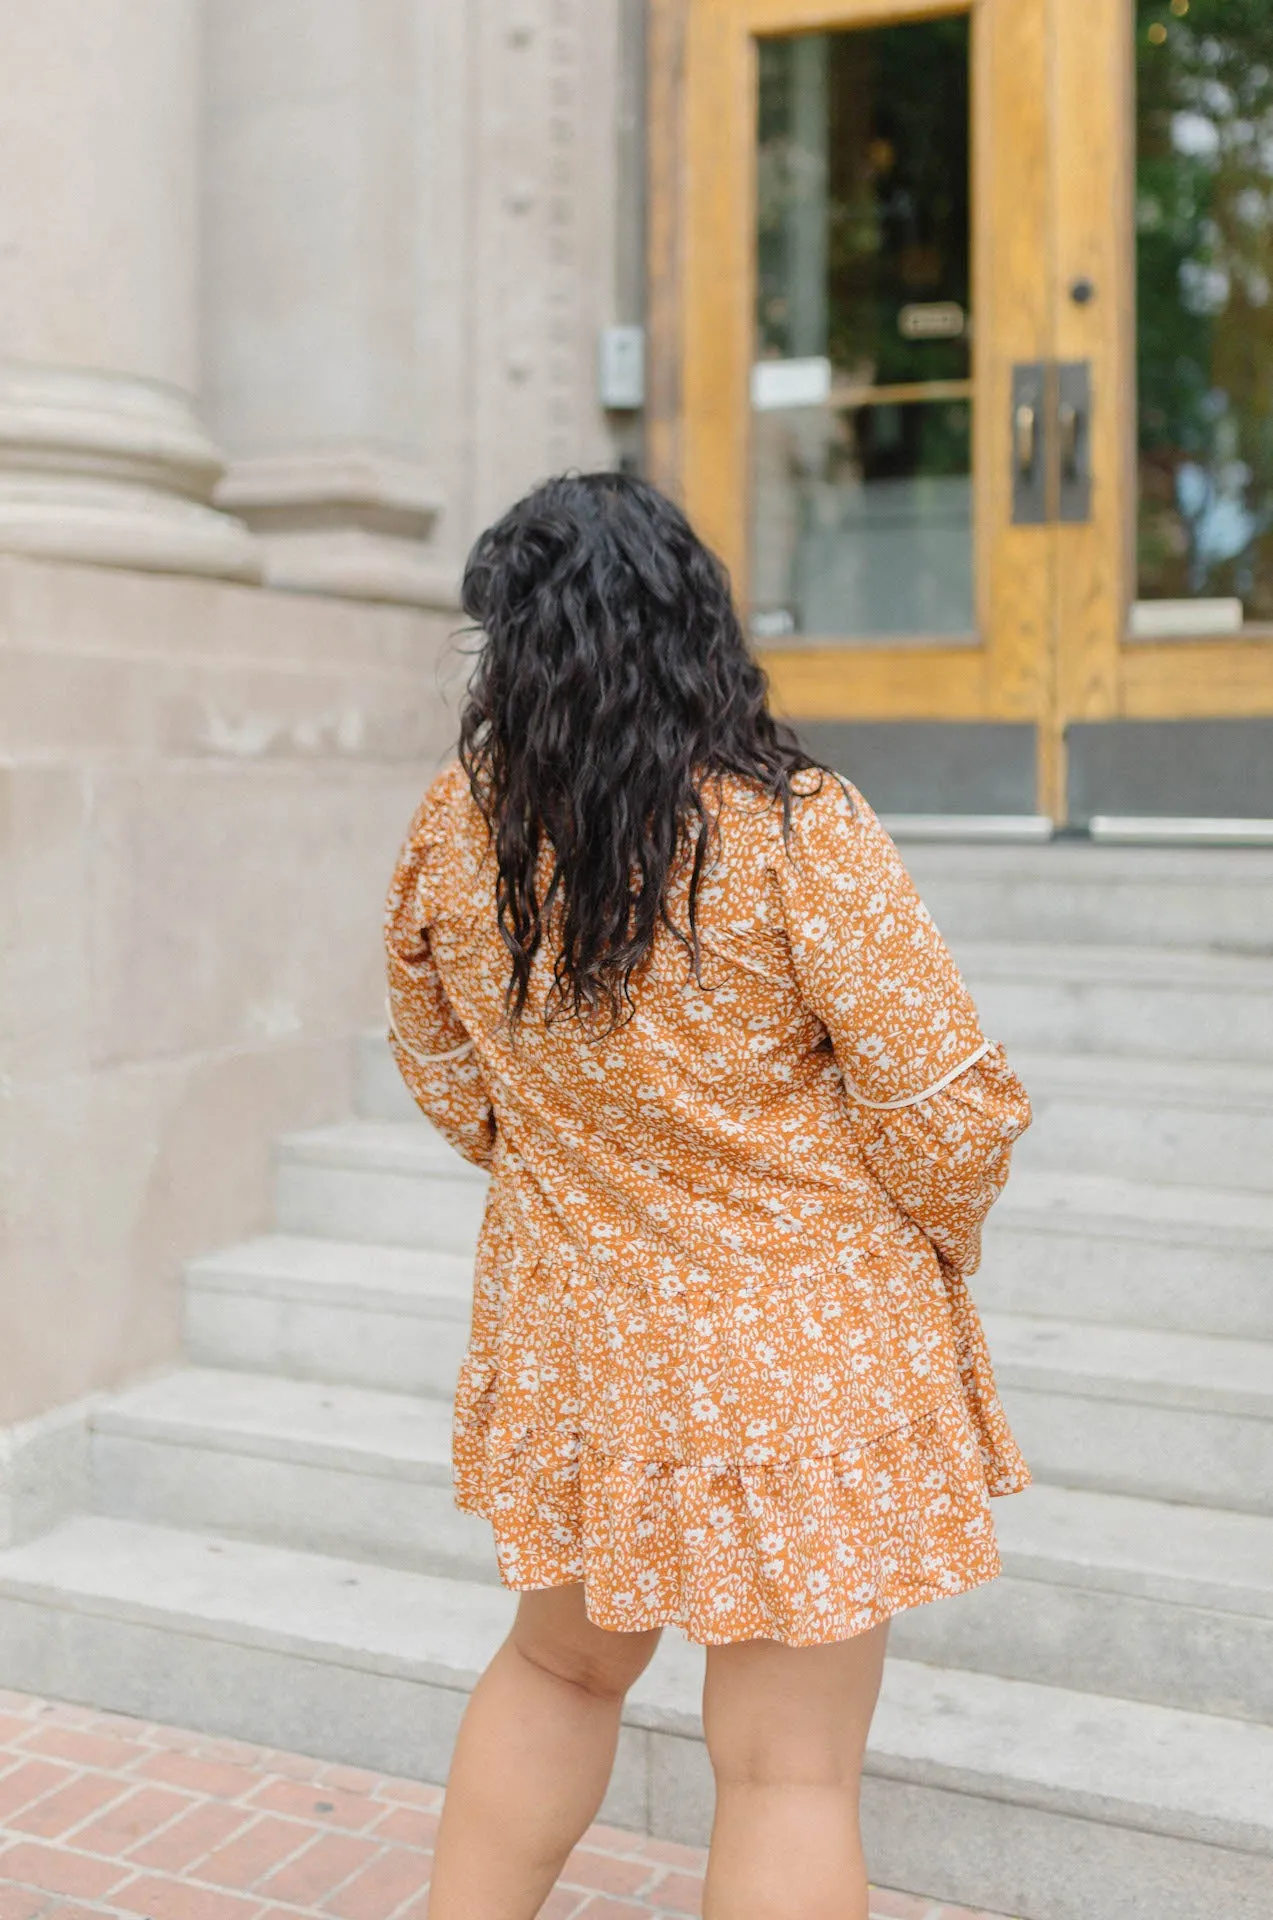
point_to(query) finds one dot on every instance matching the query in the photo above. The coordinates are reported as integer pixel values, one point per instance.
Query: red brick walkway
(103, 1816)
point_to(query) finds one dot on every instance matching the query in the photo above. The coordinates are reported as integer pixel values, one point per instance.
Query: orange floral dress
(724, 1367)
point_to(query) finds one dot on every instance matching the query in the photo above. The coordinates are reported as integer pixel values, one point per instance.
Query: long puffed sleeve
(936, 1103)
(435, 1054)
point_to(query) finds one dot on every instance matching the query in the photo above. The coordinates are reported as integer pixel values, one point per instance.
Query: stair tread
(294, 1266)
(375, 1616)
(1140, 1073)
(1154, 1768)
(1132, 1079)
(403, 1146)
(1117, 1760)
(1117, 965)
(1191, 1556)
(276, 1417)
(285, 1265)
(1104, 1202)
(1065, 860)
(410, 1146)
(1143, 1365)
(1183, 1555)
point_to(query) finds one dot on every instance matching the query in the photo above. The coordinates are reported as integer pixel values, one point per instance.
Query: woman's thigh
(792, 1715)
(552, 1630)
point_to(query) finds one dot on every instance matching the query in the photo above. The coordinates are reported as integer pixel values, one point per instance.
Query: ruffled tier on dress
(804, 1552)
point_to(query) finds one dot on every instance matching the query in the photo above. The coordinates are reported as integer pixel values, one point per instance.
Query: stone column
(102, 457)
(317, 228)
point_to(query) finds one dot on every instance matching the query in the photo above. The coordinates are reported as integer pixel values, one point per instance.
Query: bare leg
(533, 1759)
(786, 1731)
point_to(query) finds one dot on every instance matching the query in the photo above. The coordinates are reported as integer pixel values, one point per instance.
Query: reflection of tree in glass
(787, 175)
(1204, 218)
(898, 184)
(888, 181)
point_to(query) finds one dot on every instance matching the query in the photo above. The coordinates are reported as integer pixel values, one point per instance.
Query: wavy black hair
(612, 686)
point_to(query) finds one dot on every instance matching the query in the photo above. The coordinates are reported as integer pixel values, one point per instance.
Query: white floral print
(724, 1365)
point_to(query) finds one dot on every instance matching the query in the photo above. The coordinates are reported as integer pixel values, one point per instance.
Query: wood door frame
(702, 83)
(1099, 673)
(1068, 211)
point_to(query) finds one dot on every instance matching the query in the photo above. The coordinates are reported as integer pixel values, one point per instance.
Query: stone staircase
(272, 1550)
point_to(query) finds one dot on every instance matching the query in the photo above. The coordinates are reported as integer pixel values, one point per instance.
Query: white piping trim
(425, 1059)
(915, 1099)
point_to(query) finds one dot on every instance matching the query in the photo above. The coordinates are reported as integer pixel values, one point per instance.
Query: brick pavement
(106, 1816)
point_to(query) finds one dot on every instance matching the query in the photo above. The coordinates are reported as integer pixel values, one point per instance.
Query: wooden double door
(895, 370)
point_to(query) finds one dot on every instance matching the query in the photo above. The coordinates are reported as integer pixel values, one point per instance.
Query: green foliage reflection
(1204, 232)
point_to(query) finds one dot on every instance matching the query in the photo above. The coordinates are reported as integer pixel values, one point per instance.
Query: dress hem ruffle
(807, 1553)
(900, 1603)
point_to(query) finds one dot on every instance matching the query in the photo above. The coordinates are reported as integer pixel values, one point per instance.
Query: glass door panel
(1204, 273)
(832, 219)
(861, 393)
(832, 222)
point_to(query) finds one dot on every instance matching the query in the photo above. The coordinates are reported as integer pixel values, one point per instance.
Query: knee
(749, 1756)
(778, 1716)
(750, 1750)
(600, 1671)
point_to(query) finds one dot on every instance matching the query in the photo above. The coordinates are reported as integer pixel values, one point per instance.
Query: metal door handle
(1050, 429)
(1067, 420)
(1026, 423)
(1030, 424)
(1074, 440)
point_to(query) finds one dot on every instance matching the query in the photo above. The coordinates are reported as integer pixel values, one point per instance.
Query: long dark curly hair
(613, 685)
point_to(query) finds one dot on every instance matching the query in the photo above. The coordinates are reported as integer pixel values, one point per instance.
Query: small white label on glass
(931, 320)
(790, 383)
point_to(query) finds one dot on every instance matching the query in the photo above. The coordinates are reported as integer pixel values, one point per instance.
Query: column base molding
(351, 522)
(112, 471)
(352, 564)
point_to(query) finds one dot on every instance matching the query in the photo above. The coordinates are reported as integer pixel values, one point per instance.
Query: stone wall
(202, 787)
(312, 292)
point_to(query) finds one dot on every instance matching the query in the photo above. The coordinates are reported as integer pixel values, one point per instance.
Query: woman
(668, 981)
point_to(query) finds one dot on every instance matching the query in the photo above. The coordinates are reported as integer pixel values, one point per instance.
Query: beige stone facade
(298, 294)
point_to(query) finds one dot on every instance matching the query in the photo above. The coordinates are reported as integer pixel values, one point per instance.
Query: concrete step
(1052, 1804)
(339, 1470)
(326, 1469)
(379, 1091)
(1159, 1120)
(381, 1182)
(1211, 900)
(395, 1318)
(1202, 1123)
(1056, 999)
(1138, 1599)
(1072, 891)
(1093, 1247)
(1162, 1416)
(1171, 1003)
(1135, 1122)
(1060, 1245)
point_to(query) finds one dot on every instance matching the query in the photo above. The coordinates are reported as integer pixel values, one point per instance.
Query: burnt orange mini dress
(724, 1367)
